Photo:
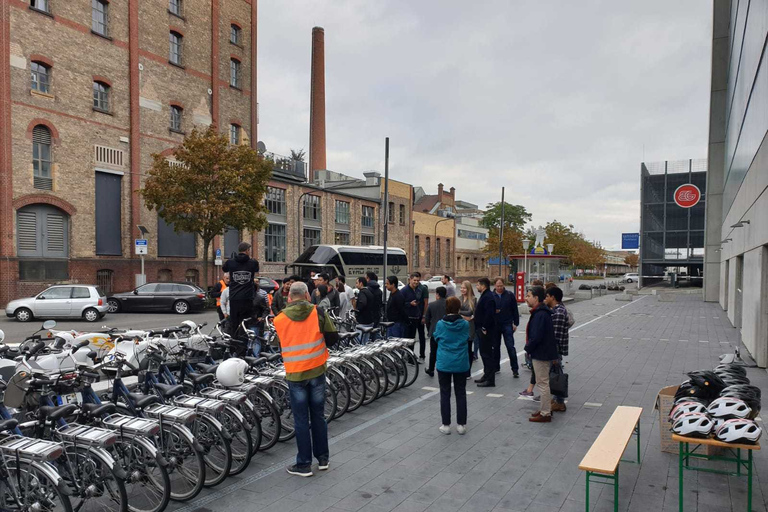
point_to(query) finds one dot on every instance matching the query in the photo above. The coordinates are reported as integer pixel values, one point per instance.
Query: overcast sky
(554, 100)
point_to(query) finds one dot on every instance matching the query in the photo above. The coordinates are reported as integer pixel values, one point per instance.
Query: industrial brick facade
(133, 61)
(400, 221)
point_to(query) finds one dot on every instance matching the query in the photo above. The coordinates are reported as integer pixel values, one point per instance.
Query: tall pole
(386, 208)
(501, 233)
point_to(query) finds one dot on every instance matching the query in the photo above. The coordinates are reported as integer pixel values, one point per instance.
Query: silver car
(61, 301)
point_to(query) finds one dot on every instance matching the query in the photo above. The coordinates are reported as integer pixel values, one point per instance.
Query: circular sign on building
(687, 196)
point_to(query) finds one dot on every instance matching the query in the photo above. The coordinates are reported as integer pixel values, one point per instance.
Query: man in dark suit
(485, 325)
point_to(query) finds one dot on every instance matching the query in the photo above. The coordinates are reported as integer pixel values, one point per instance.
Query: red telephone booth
(520, 286)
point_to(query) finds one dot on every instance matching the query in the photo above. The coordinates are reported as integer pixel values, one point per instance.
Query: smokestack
(317, 105)
(439, 191)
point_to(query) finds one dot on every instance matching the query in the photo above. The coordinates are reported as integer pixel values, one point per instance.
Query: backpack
(571, 318)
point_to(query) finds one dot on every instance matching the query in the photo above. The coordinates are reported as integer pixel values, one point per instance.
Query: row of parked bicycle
(195, 415)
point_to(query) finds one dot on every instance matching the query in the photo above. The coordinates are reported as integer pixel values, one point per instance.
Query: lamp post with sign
(526, 244)
(141, 246)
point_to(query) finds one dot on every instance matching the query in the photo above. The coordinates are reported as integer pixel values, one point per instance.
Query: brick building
(433, 232)
(471, 239)
(400, 217)
(89, 90)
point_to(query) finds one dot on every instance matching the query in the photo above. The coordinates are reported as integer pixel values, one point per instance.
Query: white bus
(350, 262)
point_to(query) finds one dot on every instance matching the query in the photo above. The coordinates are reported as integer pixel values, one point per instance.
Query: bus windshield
(350, 261)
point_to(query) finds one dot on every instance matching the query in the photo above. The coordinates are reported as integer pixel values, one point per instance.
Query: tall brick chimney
(317, 105)
(439, 191)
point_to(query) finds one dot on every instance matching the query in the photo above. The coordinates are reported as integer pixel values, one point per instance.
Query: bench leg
(587, 491)
(637, 431)
(681, 457)
(616, 491)
(749, 481)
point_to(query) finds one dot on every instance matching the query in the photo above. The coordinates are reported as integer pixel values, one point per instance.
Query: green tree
(632, 260)
(214, 186)
(515, 216)
(298, 154)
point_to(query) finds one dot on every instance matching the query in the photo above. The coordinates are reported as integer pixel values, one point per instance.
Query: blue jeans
(308, 406)
(255, 345)
(509, 342)
(364, 336)
(476, 345)
(398, 330)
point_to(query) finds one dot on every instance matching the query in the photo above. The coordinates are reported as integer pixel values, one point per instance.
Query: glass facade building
(671, 237)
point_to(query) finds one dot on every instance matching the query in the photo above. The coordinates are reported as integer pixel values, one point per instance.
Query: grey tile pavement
(390, 456)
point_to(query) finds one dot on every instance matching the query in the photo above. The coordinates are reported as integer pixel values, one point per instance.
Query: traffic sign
(218, 262)
(141, 246)
(630, 240)
(687, 196)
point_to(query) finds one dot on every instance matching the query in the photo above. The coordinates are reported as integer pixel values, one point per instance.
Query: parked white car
(631, 277)
(61, 301)
(435, 282)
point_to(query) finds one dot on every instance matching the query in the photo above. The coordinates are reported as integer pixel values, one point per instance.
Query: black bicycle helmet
(702, 401)
(707, 379)
(730, 367)
(688, 390)
(734, 380)
(744, 389)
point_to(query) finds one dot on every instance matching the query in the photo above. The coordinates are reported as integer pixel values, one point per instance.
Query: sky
(557, 101)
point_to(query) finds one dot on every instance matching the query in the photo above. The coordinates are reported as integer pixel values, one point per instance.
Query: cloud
(557, 101)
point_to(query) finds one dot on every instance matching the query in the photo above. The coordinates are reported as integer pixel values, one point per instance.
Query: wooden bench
(686, 454)
(602, 460)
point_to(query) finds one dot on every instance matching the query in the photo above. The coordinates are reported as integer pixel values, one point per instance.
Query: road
(16, 331)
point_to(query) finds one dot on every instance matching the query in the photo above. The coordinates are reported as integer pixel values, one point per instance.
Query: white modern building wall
(736, 264)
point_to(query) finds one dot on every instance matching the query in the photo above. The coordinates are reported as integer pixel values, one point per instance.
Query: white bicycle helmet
(686, 408)
(728, 407)
(189, 324)
(693, 425)
(739, 431)
(231, 372)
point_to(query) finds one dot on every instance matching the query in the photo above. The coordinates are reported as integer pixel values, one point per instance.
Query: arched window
(41, 77)
(99, 20)
(165, 275)
(105, 280)
(175, 52)
(234, 73)
(416, 251)
(42, 243)
(234, 34)
(101, 96)
(176, 113)
(234, 134)
(42, 158)
(192, 276)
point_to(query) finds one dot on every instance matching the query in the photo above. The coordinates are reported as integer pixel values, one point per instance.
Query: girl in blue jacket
(451, 334)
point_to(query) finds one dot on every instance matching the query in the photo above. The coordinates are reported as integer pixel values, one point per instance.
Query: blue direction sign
(141, 246)
(218, 260)
(630, 240)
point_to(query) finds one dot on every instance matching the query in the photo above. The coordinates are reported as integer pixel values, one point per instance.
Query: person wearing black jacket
(242, 270)
(541, 345)
(507, 320)
(260, 311)
(396, 311)
(216, 292)
(485, 326)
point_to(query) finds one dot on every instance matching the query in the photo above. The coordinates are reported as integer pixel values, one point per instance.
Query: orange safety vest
(302, 343)
(269, 299)
(223, 287)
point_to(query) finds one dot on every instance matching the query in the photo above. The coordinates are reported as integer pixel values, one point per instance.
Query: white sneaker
(445, 429)
(461, 429)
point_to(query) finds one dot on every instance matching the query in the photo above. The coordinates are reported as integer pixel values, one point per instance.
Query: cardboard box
(665, 400)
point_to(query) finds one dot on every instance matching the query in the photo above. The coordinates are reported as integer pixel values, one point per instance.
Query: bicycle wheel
(216, 450)
(330, 401)
(411, 365)
(343, 391)
(354, 379)
(186, 466)
(281, 395)
(398, 359)
(32, 487)
(381, 373)
(241, 442)
(371, 380)
(253, 419)
(270, 417)
(392, 371)
(147, 485)
(95, 485)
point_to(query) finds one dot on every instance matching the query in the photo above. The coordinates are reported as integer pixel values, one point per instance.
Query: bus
(350, 261)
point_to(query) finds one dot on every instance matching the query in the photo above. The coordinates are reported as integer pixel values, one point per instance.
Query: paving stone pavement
(389, 456)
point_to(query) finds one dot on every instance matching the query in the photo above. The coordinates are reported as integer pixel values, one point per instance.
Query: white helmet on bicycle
(189, 324)
(231, 372)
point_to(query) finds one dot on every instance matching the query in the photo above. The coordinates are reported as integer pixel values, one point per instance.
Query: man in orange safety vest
(305, 331)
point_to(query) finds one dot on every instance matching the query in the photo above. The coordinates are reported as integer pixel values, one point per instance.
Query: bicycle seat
(207, 368)
(8, 424)
(55, 413)
(347, 335)
(168, 390)
(255, 361)
(201, 378)
(366, 329)
(274, 357)
(99, 409)
(141, 400)
(386, 324)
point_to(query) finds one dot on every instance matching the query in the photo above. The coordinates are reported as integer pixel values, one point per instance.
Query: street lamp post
(526, 244)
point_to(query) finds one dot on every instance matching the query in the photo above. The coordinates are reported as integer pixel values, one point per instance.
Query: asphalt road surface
(16, 331)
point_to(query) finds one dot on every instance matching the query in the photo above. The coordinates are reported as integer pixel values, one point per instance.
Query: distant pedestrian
(450, 288)
(242, 270)
(435, 313)
(467, 312)
(396, 311)
(225, 308)
(554, 301)
(484, 328)
(259, 313)
(367, 307)
(540, 344)
(421, 325)
(324, 302)
(414, 306)
(507, 320)
(333, 295)
(345, 303)
(216, 292)
(305, 334)
(280, 301)
(451, 334)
